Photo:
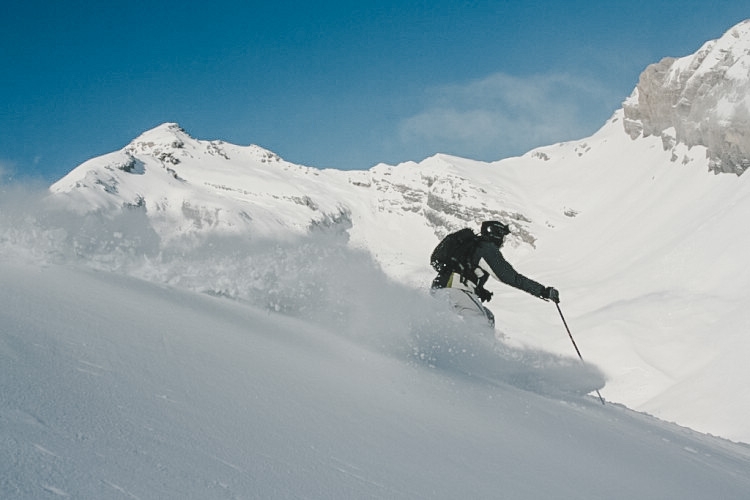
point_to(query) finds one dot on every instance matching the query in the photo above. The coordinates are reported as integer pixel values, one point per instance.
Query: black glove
(552, 294)
(484, 295)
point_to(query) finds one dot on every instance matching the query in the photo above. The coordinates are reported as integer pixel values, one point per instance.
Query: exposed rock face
(702, 99)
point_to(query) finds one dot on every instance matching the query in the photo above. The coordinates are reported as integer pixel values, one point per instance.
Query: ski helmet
(494, 231)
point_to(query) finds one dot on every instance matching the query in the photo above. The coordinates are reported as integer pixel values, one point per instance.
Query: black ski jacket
(487, 261)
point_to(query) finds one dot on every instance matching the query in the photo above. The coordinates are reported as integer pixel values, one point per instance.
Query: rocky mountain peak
(699, 100)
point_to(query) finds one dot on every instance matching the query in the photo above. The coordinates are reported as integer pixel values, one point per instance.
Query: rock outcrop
(702, 99)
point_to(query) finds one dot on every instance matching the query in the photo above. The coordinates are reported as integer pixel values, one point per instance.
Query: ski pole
(574, 344)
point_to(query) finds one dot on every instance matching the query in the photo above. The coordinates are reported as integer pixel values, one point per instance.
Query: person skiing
(464, 262)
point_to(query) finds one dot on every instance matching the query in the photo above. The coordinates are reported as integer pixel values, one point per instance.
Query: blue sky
(328, 84)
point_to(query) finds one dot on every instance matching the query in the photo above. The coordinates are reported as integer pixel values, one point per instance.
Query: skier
(464, 262)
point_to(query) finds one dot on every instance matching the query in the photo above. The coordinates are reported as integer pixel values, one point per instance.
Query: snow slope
(117, 388)
(642, 241)
(651, 277)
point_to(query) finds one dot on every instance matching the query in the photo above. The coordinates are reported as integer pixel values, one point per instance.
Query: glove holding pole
(552, 294)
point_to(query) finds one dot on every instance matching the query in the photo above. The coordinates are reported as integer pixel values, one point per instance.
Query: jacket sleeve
(491, 261)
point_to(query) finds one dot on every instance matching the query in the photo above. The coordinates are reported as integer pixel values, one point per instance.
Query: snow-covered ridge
(187, 186)
(702, 99)
(194, 188)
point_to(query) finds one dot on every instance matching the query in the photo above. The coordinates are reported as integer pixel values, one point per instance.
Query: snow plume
(41, 231)
(452, 348)
(317, 277)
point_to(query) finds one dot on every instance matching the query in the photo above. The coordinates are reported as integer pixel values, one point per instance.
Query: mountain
(699, 100)
(643, 241)
(193, 187)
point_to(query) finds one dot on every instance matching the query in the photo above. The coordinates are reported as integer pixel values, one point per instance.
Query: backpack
(454, 252)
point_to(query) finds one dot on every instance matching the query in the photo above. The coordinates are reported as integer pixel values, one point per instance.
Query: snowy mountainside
(609, 220)
(188, 187)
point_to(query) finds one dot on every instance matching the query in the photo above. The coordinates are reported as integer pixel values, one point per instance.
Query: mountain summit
(699, 100)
